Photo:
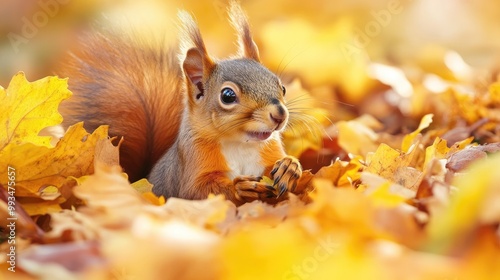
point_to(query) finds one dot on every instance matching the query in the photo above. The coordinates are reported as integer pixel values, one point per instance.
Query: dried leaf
(145, 188)
(29, 108)
(410, 138)
(41, 167)
(383, 192)
(395, 166)
(464, 158)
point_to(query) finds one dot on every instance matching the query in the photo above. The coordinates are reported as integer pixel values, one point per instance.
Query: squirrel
(194, 126)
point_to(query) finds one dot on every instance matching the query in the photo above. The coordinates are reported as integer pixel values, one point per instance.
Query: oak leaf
(29, 108)
(42, 171)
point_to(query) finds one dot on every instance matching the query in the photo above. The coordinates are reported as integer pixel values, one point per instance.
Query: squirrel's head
(238, 98)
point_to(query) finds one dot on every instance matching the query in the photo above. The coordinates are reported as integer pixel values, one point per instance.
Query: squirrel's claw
(250, 188)
(286, 173)
(282, 190)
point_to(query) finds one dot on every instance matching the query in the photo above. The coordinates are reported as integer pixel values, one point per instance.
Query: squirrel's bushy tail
(133, 86)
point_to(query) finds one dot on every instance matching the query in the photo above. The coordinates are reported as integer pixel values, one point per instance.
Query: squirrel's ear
(239, 21)
(193, 66)
(196, 66)
(196, 62)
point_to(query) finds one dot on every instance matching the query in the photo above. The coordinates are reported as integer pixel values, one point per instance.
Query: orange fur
(135, 91)
(171, 114)
(209, 172)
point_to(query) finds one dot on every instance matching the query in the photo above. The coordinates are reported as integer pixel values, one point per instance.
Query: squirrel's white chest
(243, 159)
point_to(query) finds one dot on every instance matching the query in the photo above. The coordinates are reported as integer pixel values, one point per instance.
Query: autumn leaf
(72, 157)
(118, 201)
(146, 190)
(42, 172)
(462, 159)
(395, 166)
(341, 173)
(410, 138)
(29, 108)
(385, 193)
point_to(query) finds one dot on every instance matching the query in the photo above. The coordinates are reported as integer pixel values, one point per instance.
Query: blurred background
(336, 50)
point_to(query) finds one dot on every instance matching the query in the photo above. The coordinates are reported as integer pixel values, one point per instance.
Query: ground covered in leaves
(404, 181)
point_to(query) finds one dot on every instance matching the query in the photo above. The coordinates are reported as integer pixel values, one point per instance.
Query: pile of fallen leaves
(404, 183)
(423, 204)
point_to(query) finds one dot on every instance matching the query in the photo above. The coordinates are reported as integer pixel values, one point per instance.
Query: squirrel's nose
(278, 119)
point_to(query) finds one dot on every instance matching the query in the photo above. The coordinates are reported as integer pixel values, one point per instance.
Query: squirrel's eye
(284, 90)
(228, 95)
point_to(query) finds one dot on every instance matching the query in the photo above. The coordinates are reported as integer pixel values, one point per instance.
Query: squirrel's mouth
(259, 135)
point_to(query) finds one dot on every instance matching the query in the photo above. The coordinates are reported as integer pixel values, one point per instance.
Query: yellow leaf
(79, 180)
(40, 207)
(461, 145)
(395, 166)
(38, 166)
(41, 170)
(145, 188)
(341, 173)
(408, 139)
(385, 194)
(438, 150)
(153, 199)
(385, 161)
(267, 180)
(142, 186)
(27, 108)
(331, 172)
(352, 173)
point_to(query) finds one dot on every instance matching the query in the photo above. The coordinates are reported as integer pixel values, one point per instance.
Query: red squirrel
(195, 126)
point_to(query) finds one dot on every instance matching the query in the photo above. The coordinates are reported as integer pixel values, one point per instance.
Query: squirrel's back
(131, 85)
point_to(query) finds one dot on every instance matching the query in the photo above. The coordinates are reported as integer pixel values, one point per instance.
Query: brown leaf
(464, 158)
(107, 153)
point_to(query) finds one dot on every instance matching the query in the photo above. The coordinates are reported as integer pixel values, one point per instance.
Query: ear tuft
(191, 37)
(239, 21)
(194, 58)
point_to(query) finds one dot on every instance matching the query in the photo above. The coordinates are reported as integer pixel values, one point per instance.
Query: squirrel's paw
(250, 188)
(286, 173)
